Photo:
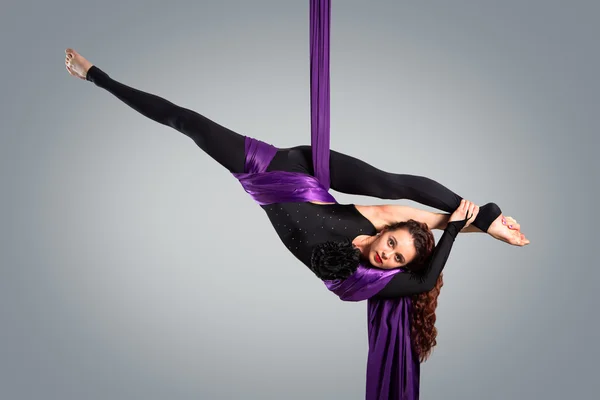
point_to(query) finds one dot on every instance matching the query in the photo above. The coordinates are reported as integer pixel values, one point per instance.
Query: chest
(301, 226)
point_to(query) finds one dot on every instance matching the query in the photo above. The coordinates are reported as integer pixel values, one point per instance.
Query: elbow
(429, 287)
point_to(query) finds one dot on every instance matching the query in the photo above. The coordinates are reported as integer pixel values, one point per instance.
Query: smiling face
(392, 249)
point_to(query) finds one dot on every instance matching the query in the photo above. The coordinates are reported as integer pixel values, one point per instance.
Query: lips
(378, 259)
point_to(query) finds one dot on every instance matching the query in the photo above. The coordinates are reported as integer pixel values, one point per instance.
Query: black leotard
(302, 226)
(347, 175)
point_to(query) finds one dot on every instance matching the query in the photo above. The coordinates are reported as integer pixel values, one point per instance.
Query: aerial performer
(384, 254)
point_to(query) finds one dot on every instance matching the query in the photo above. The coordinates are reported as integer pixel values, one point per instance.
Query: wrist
(454, 227)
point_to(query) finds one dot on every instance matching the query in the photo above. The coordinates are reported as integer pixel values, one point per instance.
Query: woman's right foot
(76, 64)
(508, 230)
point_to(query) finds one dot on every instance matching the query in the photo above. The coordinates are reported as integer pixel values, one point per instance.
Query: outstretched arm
(391, 213)
(502, 228)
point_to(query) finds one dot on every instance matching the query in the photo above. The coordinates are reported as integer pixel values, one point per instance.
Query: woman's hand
(466, 210)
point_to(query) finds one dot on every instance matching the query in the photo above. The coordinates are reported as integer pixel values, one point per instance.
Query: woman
(332, 238)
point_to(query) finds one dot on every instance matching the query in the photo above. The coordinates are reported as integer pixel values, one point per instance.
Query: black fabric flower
(334, 260)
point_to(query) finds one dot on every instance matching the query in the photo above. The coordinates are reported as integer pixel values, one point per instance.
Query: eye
(390, 242)
(398, 259)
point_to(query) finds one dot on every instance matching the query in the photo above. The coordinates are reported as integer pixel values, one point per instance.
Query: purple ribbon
(393, 370)
(320, 16)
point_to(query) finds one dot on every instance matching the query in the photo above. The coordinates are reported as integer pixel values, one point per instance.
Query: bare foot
(507, 230)
(76, 64)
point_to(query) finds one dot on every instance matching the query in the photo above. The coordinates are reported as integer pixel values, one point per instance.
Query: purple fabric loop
(285, 187)
(276, 186)
(392, 368)
(362, 285)
(258, 156)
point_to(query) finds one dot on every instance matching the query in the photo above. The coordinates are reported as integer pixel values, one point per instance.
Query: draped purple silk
(393, 370)
(320, 16)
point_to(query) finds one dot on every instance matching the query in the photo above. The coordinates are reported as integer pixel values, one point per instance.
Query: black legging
(347, 174)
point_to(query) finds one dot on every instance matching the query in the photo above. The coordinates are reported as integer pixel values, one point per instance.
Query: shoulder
(378, 215)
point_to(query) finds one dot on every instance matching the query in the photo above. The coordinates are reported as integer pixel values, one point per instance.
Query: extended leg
(222, 144)
(353, 176)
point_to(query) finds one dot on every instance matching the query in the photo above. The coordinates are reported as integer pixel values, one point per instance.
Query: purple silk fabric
(276, 186)
(392, 368)
(320, 16)
(362, 285)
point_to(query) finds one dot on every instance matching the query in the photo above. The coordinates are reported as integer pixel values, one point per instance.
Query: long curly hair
(422, 325)
(339, 260)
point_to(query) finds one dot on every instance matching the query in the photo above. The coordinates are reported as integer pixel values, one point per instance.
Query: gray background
(134, 266)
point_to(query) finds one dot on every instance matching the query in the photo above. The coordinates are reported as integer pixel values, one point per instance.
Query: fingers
(466, 210)
(462, 207)
(472, 211)
(475, 212)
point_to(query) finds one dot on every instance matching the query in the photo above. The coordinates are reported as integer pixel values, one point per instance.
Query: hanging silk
(320, 16)
(392, 368)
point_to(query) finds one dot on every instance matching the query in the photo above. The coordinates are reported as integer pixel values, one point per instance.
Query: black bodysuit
(302, 226)
(311, 224)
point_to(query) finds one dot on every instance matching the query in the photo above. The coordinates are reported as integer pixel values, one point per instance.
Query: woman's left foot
(76, 64)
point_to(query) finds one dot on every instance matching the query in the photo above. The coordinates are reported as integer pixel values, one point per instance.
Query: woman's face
(392, 249)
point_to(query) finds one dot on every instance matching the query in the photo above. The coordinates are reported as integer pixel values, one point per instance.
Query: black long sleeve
(407, 284)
